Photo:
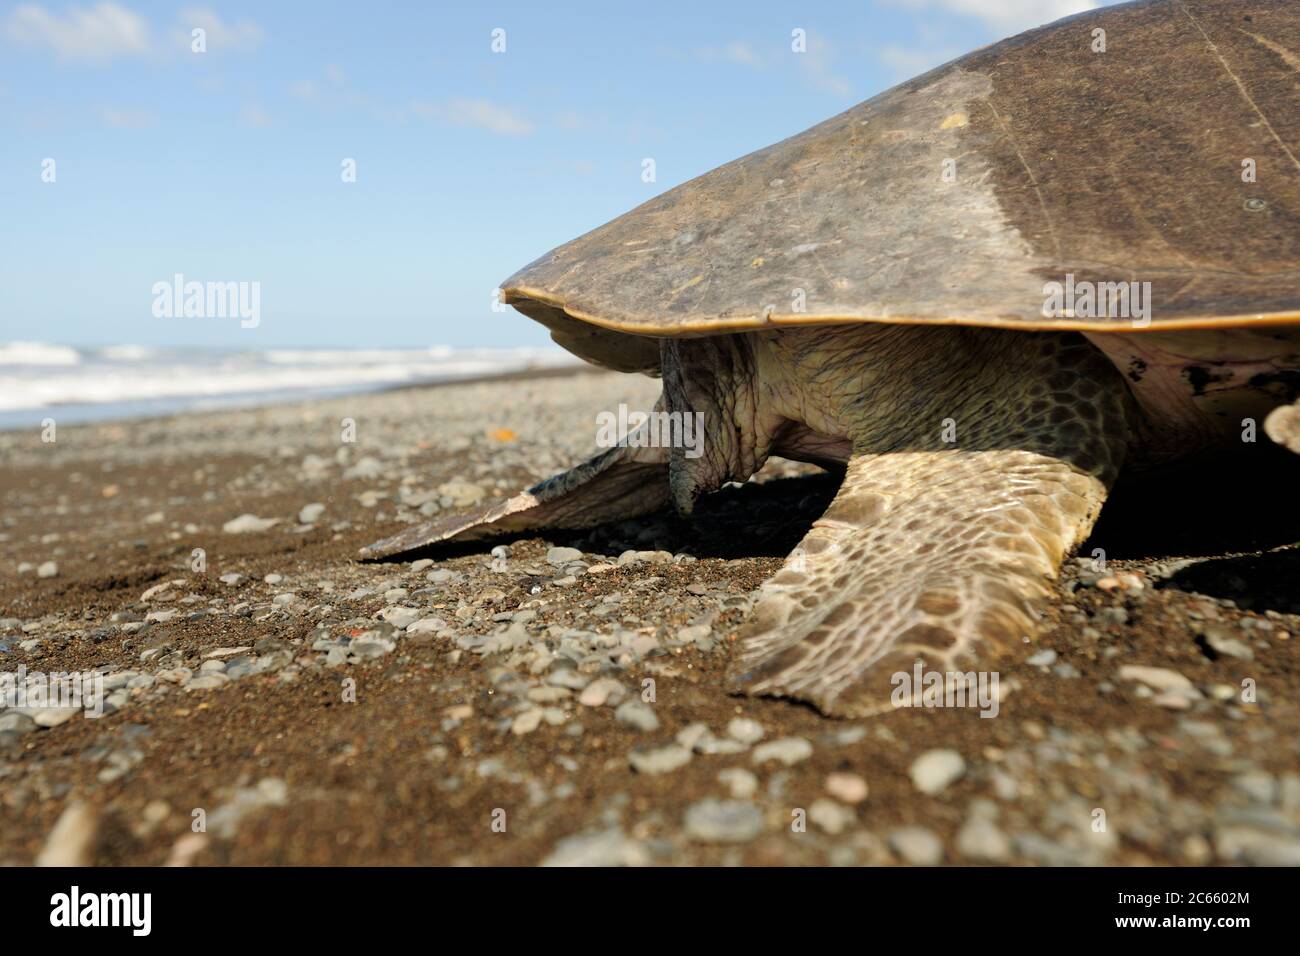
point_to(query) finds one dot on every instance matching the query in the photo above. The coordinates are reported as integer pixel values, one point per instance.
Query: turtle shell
(1172, 157)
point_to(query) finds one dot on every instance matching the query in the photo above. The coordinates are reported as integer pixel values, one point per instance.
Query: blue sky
(226, 165)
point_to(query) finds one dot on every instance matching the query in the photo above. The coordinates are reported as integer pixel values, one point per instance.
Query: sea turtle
(944, 290)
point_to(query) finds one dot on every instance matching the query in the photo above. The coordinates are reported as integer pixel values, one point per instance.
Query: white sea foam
(131, 380)
(37, 353)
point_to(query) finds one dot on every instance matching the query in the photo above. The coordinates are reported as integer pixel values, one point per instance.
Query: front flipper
(621, 483)
(933, 555)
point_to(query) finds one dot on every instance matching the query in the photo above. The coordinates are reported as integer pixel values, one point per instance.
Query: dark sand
(440, 741)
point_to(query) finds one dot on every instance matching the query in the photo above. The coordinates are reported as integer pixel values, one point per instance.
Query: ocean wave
(38, 353)
(127, 375)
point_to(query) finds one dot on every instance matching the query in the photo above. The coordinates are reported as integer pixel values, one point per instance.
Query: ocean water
(40, 380)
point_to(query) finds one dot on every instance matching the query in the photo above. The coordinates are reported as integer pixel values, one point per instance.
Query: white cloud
(109, 31)
(95, 34)
(480, 114)
(243, 36)
(1006, 16)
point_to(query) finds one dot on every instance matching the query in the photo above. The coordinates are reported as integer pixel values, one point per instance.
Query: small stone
(787, 750)
(47, 570)
(980, 839)
(72, 840)
(917, 846)
(833, 818)
(247, 523)
(637, 714)
(1044, 658)
(53, 716)
(739, 781)
(310, 514)
(745, 730)
(659, 760)
(1157, 678)
(723, 821)
(527, 722)
(462, 493)
(421, 565)
(606, 690)
(562, 556)
(846, 787)
(231, 579)
(400, 617)
(606, 848)
(934, 770)
(1221, 640)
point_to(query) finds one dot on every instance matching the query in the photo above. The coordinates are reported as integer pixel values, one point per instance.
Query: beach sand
(282, 701)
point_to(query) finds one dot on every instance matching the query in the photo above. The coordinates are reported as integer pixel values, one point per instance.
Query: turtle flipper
(621, 483)
(939, 556)
(1283, 426)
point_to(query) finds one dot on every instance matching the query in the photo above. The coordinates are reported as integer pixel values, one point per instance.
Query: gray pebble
(917, 846)
(723, 821)
(934, 770)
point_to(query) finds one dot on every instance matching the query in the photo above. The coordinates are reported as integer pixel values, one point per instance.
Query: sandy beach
(296, 706)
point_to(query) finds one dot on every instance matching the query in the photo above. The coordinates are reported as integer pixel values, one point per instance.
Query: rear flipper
(1283, 426)
(619, 484)
(943, 557)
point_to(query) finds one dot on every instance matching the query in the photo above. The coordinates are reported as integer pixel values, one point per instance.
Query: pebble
(739, 781)
(660, 759)
(527, 722)
(833, 818)
(934, 770)
(53, 716)
(248, 523)
(400, 617)
(1221, 640)
(723, 821)
(846, 787)
(310, 513)
(787, 750)
(603, 691)
(604, 848)
(72, 840)
(561, 556)
(745, 730)
(918, 846)
(980, 839)
(1157, 678)
(47, 570)
(638, 715)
